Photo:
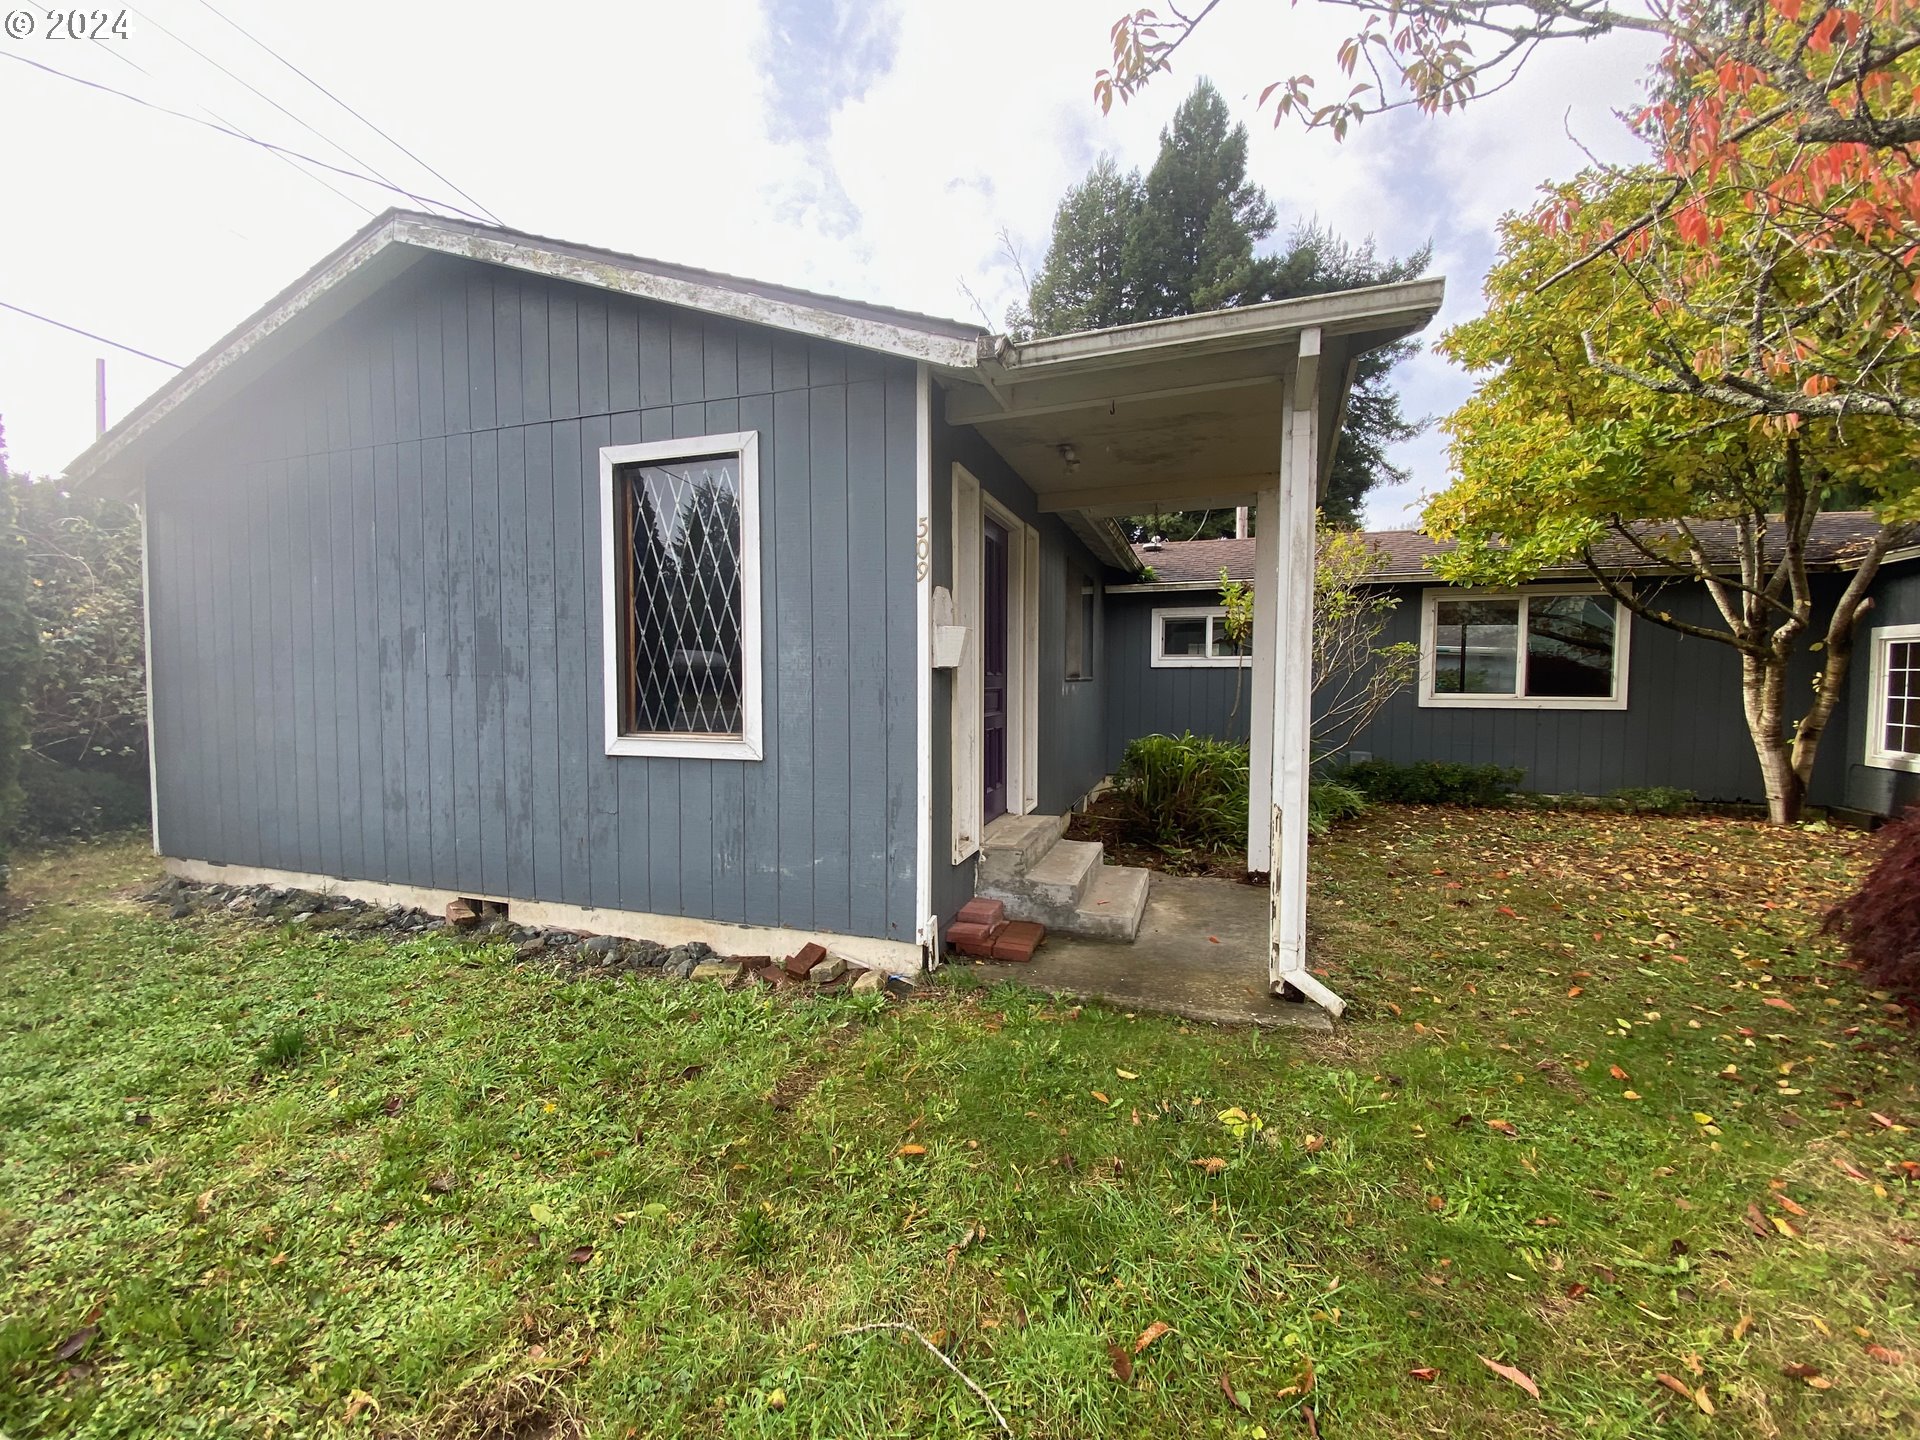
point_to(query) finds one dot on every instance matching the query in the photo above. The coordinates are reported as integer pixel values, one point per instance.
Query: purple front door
(993, 666)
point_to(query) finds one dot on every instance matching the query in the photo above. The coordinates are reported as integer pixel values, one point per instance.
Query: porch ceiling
(1183, 412)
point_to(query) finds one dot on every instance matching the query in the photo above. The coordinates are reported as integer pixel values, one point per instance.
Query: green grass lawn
(1604, 1111)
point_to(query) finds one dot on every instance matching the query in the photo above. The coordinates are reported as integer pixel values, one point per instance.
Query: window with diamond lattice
(684, 616)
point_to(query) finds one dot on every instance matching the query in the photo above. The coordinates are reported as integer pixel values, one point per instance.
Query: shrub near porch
(475, 1190)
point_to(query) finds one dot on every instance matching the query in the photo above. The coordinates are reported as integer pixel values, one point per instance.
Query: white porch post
(1290, 694)
(1266, 649)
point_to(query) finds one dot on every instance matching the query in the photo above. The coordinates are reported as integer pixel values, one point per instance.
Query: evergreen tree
(1187, 238)
(1083, 284)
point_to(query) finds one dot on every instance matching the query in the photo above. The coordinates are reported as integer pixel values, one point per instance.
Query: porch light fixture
(1069, 457)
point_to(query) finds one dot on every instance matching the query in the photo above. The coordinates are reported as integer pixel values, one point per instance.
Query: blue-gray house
(1552, 678)
(654, 601)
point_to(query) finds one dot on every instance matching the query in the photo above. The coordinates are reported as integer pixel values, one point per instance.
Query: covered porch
(1228, 408)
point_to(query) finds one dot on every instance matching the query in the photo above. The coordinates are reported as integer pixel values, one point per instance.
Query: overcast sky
(875, 150)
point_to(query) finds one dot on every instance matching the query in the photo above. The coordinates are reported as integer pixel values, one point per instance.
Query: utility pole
(99, 397)
(1240, 523)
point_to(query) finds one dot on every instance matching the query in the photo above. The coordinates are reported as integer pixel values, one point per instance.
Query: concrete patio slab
(1201, 954)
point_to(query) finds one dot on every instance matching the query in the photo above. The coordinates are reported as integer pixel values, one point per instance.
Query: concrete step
(1114, 903)
(1065, 872)
(1013, 844)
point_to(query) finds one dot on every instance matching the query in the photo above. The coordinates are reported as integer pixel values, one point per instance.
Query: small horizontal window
(680, 564)
(1893, 719)
(1195, 637)
(1549, 649)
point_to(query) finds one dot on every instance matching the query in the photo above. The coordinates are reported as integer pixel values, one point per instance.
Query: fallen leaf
(358, 1401)
(1125, 1074)
(911, 1150)
(1779, 1004)
(1885, 1356)
(1702, 1401)
(1152, 1333)
(1800, 1372)
(542, 1214)
(1426, 1374)
(1101, 1098)
(1122, 1361)
(1213, 1164)
(1314, 1143)
(1788, 1204)
(581, 1255)
(1572, 991)
(1629, 1094)
(1742, 1326)
(1576, 1290)
(1508, 1372)
(1616, 1072)
(1757, 1222)
(1849, 1171)
(776, 1400)
(1675, 1384)
(1882, 1121)
(75, 1345)
(1505, 1127)
(1226, 1388)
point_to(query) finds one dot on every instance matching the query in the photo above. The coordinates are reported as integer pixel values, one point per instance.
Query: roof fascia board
(421, 235)
(1378, 308)
(712, 299)
(210, 366)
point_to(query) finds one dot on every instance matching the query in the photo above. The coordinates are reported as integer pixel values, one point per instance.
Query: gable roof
(393, 240)
(1837, 539)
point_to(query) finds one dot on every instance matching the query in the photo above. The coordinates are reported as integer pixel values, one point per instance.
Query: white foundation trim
(897, 957)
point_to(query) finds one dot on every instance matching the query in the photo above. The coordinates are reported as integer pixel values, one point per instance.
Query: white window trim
(1160, 660)
(1879, 640)
(748, 744)
(1444, 700)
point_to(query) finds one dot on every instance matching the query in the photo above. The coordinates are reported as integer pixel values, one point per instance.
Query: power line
(241, 135)
(355, 113)
(49, 320)
(118, 53)
(242, 81)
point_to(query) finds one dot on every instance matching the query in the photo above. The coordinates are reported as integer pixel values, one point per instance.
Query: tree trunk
(1763, 689)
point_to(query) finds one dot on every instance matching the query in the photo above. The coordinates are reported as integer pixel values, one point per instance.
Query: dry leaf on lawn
(1508, 1372)
(1425, 1373)
(1226, 1389)
(1152, 1333)
(1122, 1363)
(1213, 1164)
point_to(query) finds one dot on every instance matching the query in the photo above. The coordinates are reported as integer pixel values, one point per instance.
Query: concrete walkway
(1201, 954)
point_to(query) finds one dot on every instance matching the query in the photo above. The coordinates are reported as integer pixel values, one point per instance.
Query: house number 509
(922, 550)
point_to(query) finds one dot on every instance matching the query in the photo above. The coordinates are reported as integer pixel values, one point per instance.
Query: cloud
(874, 150)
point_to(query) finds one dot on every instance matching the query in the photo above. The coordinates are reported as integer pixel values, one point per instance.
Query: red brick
(1019, 940)
(975, 940)
(982, 911)
(754, 963)
(775, 977)
(805, 958)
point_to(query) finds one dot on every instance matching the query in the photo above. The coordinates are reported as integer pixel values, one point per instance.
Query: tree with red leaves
(1780, 210)
(1881, 920)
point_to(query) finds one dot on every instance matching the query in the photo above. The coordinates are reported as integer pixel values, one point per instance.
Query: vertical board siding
(1683, 725)
(377, 611)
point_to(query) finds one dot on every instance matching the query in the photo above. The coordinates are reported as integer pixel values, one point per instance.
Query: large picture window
(1563, 649)
(1194, 637)
(680, 565)
(1893, 717)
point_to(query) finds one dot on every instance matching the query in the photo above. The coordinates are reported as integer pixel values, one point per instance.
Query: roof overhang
(398, 239)
(1181, 413)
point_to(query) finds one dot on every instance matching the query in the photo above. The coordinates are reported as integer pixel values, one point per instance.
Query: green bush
(1330, 800)
(1652, 799)
(62, 803)
(1430, 782)
(1184, 792)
